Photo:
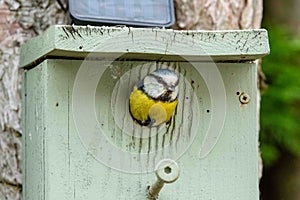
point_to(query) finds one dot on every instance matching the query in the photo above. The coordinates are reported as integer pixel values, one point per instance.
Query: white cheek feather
(152, 87)
(154, 90)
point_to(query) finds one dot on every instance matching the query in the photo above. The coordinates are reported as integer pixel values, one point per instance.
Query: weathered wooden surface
(21, 20)
(66, 167)
(78, 41)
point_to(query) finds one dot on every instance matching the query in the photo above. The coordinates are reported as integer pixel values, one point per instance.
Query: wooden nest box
(80, 141)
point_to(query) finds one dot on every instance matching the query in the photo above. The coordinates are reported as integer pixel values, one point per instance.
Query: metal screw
(244, 98)
(167, 171)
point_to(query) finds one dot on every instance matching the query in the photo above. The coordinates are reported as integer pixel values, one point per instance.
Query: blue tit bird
(154, 99)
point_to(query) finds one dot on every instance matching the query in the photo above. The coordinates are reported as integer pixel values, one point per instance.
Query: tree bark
(218, 14)
(20, 20)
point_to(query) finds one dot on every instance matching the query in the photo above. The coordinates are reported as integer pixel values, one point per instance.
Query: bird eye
(160, 80)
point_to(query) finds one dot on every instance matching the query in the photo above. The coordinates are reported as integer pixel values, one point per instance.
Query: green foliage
(280, 108)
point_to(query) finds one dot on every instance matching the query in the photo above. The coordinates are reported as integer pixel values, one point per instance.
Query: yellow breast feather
(148, 111)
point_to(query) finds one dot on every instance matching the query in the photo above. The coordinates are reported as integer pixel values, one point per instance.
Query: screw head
(244, 98)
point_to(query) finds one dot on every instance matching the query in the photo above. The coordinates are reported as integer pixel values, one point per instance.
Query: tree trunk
(218, 14)
(20, 20)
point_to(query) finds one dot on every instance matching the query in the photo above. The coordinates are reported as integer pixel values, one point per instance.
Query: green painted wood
(33, 117)
(80, 141)
(58, 166)
(140, 43)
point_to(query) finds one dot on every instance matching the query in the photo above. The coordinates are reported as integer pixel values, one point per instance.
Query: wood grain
(73, 169)
(146, 44)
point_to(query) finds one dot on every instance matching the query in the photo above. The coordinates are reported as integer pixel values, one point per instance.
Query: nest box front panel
(93, 146)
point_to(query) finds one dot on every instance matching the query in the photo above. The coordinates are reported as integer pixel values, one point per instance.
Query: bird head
(161, 85)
